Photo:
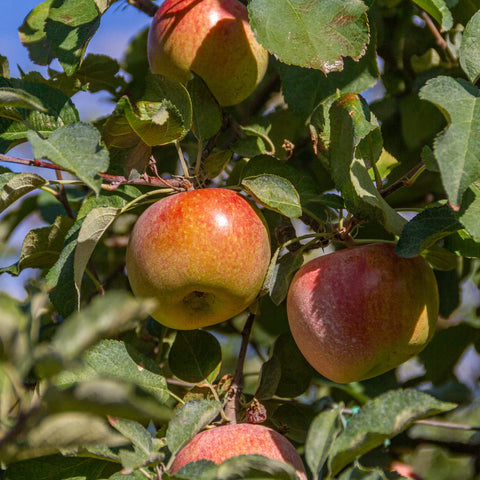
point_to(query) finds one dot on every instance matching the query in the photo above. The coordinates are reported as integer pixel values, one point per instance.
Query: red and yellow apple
(202, 254)
(359, 312)
(221, 443)
(211, 38)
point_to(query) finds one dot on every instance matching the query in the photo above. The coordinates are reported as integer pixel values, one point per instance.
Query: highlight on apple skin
(359, 312)
(221, 443)
(202, 254)
(211, 38)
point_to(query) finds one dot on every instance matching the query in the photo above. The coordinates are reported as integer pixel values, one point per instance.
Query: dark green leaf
(425, 229)
(457, 149)
(470, 211)
(438, 9)
(311, 34)
(357, 473)
(195, 356)
(282, 272)
(270, 376)
(14, 97)
(470, 49)
(14, 186)
(189, 420)
(380, 419)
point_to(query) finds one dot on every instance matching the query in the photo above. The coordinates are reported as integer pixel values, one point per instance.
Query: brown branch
(402, 182)
(114, 181)
(231, 408)
(441, 42)
(145, 6)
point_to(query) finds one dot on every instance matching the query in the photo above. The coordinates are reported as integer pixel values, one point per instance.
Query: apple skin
(359, 312)
(211, 38)
(202, 254)
(221, 443)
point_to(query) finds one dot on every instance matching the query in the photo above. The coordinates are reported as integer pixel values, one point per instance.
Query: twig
(441, 42)
(115, 181)
(145, 6)
(62, 197)
(406, 180)
(231, 408)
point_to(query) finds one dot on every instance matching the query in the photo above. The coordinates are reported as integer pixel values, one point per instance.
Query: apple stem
(233, 403)
(183, 163)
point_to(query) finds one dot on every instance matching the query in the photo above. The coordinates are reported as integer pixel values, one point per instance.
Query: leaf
(14, 97)
(207, 114)
(56, 467)
(189, 420)
(94, 225)
(117, 360)
(135, 432)
(438, 9)
(305, 89)
(107, 315)
(60, 112)
(281, 275)
(4, 68)
(353, 134)
(42, 246)
(457, 148)
(321, 435)
(296, 372)
(382, 418)
(270, 375)
(362, 473)
(215, 163)
(195, 356)
(14, 186)
(311, 34)
(470, 49)
(77, 149)
(276, 193)
(470, 211)
(60, 30)
(255, 466)
(425, 229)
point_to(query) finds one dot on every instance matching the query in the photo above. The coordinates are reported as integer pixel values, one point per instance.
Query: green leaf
(457, 149)
(14, 186)
(255, 466)
(189, 420)
(135, 432)
(60, 112)
(77, 149)
(56, 467)
(439, 10)
(470, 211)
(470, 49)
(4, 68)
(296, 372)
(270, 375)
(215, 163)
(382, 418)
(355, 143)
(321, 435)
(311, 34)
(305, 89)
(60, 30)
(195, 356)
(117, 360)
(276, 193)
(425, 229)
(280, 275)
(94, 225)
(207, 114)
(42, 246)
(14, 97)
(107, 315)
(357, 473)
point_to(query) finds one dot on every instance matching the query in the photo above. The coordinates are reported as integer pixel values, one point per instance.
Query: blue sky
(119, 24)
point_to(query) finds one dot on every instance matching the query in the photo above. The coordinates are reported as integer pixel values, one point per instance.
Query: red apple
(359, 312)
(221, 443)
(211, 38)
(202, 254)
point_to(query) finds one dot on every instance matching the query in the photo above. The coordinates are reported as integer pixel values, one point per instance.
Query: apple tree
(340, 123)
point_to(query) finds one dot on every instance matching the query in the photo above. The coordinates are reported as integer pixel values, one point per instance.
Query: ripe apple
(203, 254)
(359, 312)
(221, 443)
(211, 38)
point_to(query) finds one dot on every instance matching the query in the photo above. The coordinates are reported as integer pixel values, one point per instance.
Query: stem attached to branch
(231, 408)
(407, 180)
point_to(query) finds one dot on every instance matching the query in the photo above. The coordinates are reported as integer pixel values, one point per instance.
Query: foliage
(366, 128)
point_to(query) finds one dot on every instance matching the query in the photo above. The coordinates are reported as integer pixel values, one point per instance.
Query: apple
(211, 38)
(221, 443)
(202, 254)
(359, 312)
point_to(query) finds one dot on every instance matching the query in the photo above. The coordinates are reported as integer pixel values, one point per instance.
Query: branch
(113, 181)
(405, 181)
(231, 408)
(441, 42)
(145, 6)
